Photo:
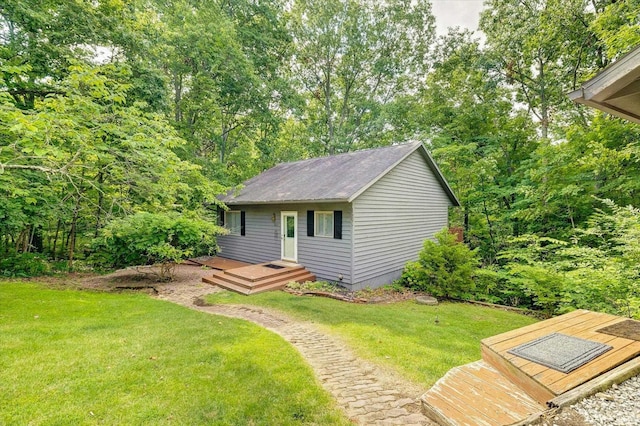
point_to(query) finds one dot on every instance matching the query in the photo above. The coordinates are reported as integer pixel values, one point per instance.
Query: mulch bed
(329, 295)
(380, 295)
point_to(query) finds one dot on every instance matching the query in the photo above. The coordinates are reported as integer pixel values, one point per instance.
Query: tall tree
(618, 27)
(352, 59)
(49, 35)
(478, 138)
(562, 182)
(224, 62)
(84, 156)
(544, 53)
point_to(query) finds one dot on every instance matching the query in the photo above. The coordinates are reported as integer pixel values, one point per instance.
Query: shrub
(543, 285)
(154, 238)
(444, 268)
(494, 285)
(597, 270)
(24, 265)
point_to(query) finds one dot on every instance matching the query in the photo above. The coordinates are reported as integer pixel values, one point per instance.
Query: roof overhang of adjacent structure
(616, 89)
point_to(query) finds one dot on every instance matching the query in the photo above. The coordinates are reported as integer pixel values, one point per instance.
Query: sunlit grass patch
(404, 336)
(72, 357)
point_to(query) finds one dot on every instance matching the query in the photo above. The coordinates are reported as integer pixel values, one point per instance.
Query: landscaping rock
(426, 300)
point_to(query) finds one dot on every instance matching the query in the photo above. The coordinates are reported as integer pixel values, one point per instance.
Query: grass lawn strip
(368, 394)
(71, 357)
(401, 336)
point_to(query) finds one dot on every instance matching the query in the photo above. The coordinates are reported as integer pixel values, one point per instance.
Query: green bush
(24, 265)
(154, 238)
(444, 268)
(597, 270)
(544, 286)
(494, 285)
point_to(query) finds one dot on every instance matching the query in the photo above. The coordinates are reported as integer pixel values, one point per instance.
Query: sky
(451, 13)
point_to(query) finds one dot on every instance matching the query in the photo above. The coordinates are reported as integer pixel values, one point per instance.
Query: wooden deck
(250, 279)
(504, 389)
(220, 263)
(544, 383)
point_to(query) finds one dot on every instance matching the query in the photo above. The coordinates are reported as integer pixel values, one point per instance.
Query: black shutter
(220, 216)
(242, 223)
(337, 224)
(311, 230)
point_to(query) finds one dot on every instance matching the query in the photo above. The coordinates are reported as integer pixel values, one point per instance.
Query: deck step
(478, 394)
(298, 275)
(248, 281)
(256, 273)
(227, 285)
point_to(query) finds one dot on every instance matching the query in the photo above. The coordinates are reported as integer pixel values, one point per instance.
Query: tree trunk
(72, 243)
(177, 92)
(224, 137)
(72, 235)
(36, 242)
(100, 202)
(22, 243)
(65, 242)
(55, 241)
(544, 107)
(330, 148)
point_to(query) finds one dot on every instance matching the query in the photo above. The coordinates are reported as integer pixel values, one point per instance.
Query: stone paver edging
(368, 395)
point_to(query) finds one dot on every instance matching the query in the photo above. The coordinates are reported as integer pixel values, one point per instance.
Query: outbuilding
(353, 218)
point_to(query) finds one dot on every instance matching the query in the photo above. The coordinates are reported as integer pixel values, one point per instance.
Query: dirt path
(368, 394)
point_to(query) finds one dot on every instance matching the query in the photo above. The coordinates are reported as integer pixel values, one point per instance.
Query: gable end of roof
(419, 146)
(338, 178)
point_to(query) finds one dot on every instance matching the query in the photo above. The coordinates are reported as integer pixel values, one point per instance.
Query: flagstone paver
(368, 394)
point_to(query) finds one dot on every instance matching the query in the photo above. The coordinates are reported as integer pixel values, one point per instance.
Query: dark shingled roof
(335, 178)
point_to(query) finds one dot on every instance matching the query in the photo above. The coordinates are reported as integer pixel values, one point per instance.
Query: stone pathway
(369, 395)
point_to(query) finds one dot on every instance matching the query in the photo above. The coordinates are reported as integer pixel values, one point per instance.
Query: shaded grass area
(403, 336)
(72, 357)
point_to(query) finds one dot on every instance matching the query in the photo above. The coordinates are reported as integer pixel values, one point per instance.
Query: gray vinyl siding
(327, 258)
(261, 242)
(392, 219)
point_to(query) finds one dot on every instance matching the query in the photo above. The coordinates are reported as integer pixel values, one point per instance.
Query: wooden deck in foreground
(477, 394)
(250, 279)
(504, 389)
(544, 383)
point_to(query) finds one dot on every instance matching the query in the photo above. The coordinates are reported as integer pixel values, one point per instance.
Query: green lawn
(73, 357)
(402, 336)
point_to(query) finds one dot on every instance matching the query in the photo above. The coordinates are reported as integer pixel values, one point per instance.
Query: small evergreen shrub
(445, 268)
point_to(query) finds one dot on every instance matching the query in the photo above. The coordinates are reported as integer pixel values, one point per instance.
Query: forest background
(122, 120)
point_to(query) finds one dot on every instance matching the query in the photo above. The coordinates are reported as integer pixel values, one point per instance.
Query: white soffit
(616, 89)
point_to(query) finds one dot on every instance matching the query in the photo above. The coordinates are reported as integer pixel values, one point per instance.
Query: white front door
(289, 232)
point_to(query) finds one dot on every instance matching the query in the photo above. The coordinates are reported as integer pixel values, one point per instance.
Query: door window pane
(291, 227)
